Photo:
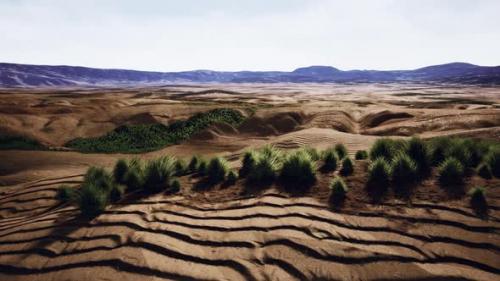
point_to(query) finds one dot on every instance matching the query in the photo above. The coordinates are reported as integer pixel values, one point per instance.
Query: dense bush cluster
(147, 137)
(100, 187)
(19, 142)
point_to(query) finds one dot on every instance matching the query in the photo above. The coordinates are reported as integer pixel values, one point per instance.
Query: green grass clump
(338, 191)
(134, 178)
(117, 192)
(330, 160)
(478, 201)
(419, 152)
(379, 176)
(232, 177)
(91, 200)
(361, 154)
(217, 170)
(100, 178)
(298, 172)
(313, 153)
(269, 162)
(383, 147)
(347, 167)
(484, 171)
(148, 137)
(193, 164)
(493, 160)
(438, 147)
(248, 163)
(120, 171)
(451, 172)
(66, 193)
(175, 186)
(202, 167)
(181, 168)
(159, 174)
(459, 151)
(404, 173)
(19, 142)
(341, 150)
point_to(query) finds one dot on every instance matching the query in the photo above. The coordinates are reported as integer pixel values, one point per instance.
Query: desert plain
(225, 232)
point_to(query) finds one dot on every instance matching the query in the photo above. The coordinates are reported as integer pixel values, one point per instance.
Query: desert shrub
(147, 137)
(66, 193)
(299, 171)
(459, 151)
(383, 147)
(217, 169)
(120, 171)
(347, 167)
(330, 160)
(248, 163)
(451, 172)
(134, 178)
(313, 153)
(338, 191)
(175, 186)
(438, 147)
(193, 164)
(100, 178)
(361, 154)
(202, 167)
(404, 173)
(341, 150)
(478, 201)
(477, 151)
(493, 160)
(181, 168)
(269, 162)
(117, 192)
(232, 177)
(418, 151)
(19, 142)
(484, 171)
(159, 174)
(379, 175)
(91, 200)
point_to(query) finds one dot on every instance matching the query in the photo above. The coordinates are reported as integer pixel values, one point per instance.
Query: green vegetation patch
(19, 142)
(148, 137)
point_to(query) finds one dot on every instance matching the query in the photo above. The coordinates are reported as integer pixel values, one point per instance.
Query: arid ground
(223, 233)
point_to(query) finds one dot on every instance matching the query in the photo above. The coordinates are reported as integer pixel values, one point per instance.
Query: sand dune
(225, 233)
(267, 237)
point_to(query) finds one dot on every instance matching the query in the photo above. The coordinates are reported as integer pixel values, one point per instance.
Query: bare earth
(222, 234)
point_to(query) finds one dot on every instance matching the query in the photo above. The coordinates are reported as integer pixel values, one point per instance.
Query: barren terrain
(224, 233)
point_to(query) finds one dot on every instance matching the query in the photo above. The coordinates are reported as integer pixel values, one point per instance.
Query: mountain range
(24, 75)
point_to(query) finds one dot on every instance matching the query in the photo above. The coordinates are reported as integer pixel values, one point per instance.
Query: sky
(230, 35)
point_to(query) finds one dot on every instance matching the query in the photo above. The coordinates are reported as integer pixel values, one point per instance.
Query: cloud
(255, 35)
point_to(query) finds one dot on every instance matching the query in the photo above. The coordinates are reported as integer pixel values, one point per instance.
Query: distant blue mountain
(22, 75)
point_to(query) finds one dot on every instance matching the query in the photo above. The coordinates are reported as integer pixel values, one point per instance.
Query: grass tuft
(217, 170)
(379, 175)
(341, 150)
(361, 154)
(347, 167)
(159, 174)
(298, 172)
(451, 172)
(330, 160)
(66, 193)
(478, 201)
(404, 173)
(338, 191)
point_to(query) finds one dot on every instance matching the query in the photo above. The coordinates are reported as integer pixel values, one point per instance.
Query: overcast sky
(249, 35)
